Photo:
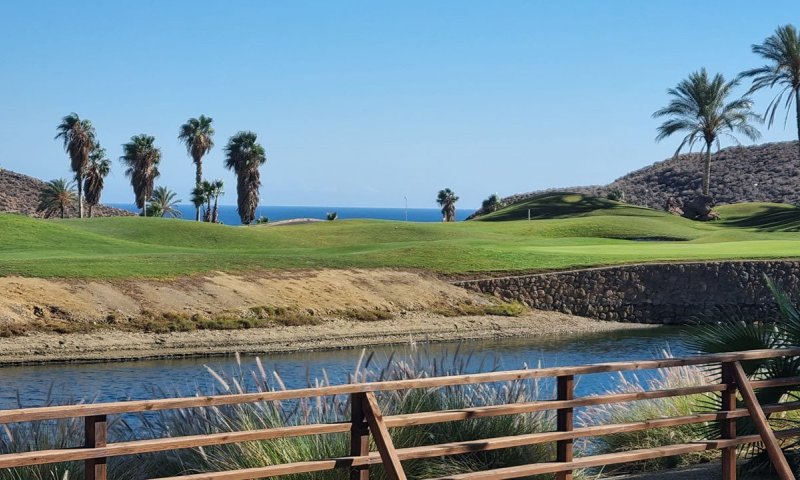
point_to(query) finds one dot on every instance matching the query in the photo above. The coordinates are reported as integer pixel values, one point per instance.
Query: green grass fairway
(568, 231)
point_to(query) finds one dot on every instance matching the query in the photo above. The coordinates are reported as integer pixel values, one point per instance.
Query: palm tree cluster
(141, 157)
(704, 108)
(78, 136)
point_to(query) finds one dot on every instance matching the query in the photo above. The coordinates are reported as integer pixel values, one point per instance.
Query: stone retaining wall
(650, 293)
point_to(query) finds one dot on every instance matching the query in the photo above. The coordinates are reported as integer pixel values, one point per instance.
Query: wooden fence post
(565, 390)
(763, 427)
(359, 436)
(96, 428)
(391, 463)
(728, 427)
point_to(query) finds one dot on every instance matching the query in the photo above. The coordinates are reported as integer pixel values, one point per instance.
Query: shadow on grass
(771, 219)
(553, 205)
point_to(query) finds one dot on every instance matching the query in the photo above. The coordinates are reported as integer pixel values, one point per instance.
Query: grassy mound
(566, 231)
(565, 205)
(761, 216)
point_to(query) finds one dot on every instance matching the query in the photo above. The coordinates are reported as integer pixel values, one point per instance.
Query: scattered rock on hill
(20, 194)
(674, 206)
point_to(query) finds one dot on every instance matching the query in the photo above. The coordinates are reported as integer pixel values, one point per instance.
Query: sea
(274, 213)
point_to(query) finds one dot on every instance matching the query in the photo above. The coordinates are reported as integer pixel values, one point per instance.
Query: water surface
(36, 385)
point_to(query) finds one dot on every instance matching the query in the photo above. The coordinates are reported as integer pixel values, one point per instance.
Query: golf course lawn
(566, 231)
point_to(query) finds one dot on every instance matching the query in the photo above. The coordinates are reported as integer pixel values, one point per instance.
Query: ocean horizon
(229, 216)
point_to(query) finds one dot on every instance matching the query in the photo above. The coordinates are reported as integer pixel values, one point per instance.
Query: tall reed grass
(663, 379)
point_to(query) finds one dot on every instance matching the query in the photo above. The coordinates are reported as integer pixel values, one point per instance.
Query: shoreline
(334, 334)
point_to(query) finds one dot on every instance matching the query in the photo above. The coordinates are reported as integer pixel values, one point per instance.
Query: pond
(66, 383)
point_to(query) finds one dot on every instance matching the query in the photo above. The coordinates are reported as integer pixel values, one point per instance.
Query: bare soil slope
(321, 293)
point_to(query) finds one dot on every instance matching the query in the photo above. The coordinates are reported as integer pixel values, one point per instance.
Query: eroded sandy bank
(112, 345)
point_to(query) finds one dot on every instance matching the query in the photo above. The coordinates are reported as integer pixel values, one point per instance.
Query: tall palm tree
(198, 135)
(217, 191)
(244, 155)
(78, 136)
(447, 200)
(142, 157)
(56, 196)
(163, 203)
(782, 52)
(701, 108)
(96, 172)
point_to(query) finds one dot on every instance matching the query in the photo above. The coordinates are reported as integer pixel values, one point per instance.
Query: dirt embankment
(35, 303)
(46, 320)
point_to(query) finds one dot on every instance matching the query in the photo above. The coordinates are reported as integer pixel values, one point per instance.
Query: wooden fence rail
(368, 421)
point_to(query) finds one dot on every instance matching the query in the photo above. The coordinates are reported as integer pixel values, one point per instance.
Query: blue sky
(359, 103)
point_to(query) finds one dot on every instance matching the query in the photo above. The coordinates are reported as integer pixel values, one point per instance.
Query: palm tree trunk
(797, 107)
(707, 170)
(198, 179)
(215, 214)
(79, 176)
(90, 210)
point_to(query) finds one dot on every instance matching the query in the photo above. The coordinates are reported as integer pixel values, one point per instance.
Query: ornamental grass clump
(337, 409)
(668, 378)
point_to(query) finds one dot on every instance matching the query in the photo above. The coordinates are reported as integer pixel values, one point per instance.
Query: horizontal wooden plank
(164, 444)
(423, 418)
(262, 472)
(775, 382)
(455, 448)
(112, 408)
(609, 459)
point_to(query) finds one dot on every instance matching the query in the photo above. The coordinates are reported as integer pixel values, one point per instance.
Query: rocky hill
(759, 173)
(20, 194)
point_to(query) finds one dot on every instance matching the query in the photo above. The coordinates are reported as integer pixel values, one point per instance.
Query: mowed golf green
(566, 231)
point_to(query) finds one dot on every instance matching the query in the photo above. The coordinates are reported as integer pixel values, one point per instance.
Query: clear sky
(359, 103)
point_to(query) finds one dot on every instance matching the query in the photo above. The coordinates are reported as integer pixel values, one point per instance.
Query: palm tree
(142, 157)
(164, 204)
(56, 196)
(198, 135)
(782, 52)
(207, 189)
(78, 136)
(216, 192)
(700, 107)
(447, 200)
(199, 197)
(96, 173)
(244, 155)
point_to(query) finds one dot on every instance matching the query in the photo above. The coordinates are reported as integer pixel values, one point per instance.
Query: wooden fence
(366, 421)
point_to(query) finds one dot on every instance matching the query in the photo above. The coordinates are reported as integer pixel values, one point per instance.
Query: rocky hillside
(20, 194)
(759, 173)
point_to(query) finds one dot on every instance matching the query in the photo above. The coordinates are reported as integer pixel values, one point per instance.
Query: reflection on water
(146, 379)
